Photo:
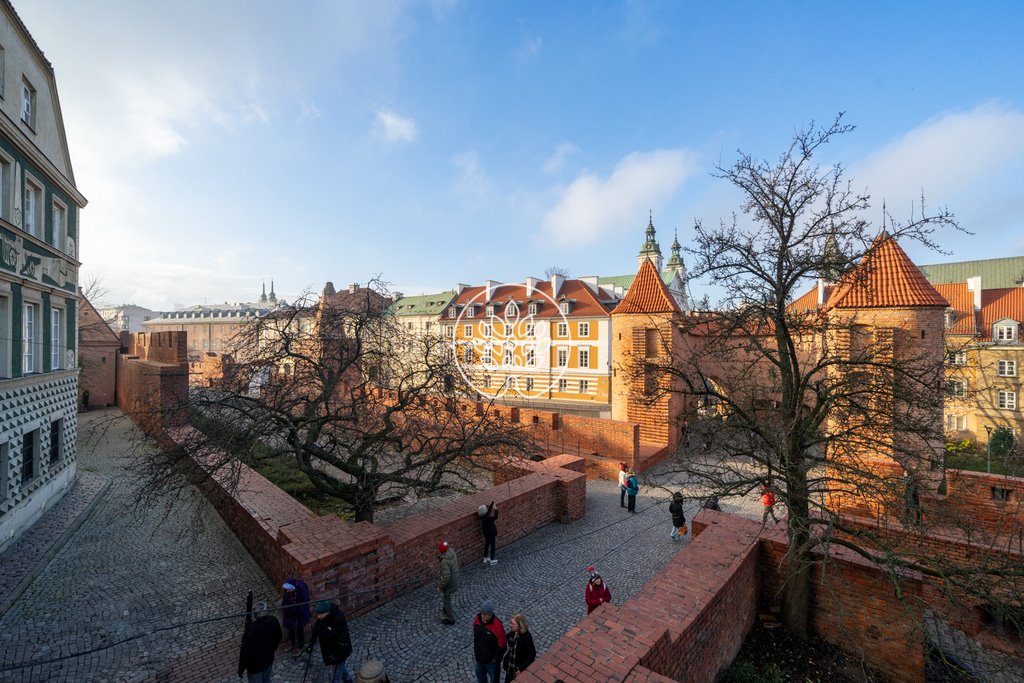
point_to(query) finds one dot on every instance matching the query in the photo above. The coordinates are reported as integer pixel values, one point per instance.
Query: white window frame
(60, 225)
(584, 387)
(467, 354)
(467, 331)
(956, 357)
(583, 330)
(562, 329)
(1007, 400)
(28, 103)
(562, 357)
(487, 381)
(56, 337)
(452, 312)
(33, 209)
(511, 308)
(508, 357)
(508, 329)
(957, 388)
(488, 331)
(531, 329)
(29, 337)
(1006, 368)
(532, 309)
(563, 306)
(956, 423)
(529, 384)
(488, 355)
(1005, 333)
(583, 357)
(563, 386)
(530, 356)
(490, 311)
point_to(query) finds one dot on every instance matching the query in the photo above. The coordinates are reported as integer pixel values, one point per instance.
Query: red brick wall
(98, 374)
(612, 439)
(972, 493)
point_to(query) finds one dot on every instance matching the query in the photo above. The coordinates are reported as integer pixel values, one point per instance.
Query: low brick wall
(973, 493)
(687, 623)
(366, 565)
(612, 440)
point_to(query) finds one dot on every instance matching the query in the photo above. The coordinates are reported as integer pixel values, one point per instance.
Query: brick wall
(585, 436)
(973, 493)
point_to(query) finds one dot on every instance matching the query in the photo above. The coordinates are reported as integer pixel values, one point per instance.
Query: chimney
(489, 287)
(821, 292)
(531, 285)
(353, 288)
(590, 281)
(556, 285)
(395, 296)
(459, 287)
(974, 285)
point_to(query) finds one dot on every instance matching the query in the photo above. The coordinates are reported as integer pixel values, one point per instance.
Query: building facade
(97, 358)
(127, 317)
(39, 239)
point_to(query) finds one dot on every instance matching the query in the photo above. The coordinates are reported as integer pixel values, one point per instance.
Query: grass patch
(979, 463)
(282, 471)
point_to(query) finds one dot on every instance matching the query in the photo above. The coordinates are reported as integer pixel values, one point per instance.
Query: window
(511, 309)
(530, 329)
(487, 355)
(56, 338)
(563, 358)
(5, 335)
(470, 311)
(6, 178)
(487, 381)
(1001, 494)
(532, 309)
(563, 306)
(584, 386)
(449, 331)
(28, 339)
(1008, 400)
(529, 384)
(28, 103)
(957, 388)
(59, 227)
(1005, 333)
(507, 357)
(563, 385)
(563, 329)
(956, 358)
(1006, 368)
(490, 311)
(467, 330)
(33, 206)
(508, 330)
(488, 331)
(584, 330)
(583, 360)
(451, 312)
(531, 357)
(956, 423)
(467, 354)
(204, 345)
(195, 343)
(56, 445)
(29, 453)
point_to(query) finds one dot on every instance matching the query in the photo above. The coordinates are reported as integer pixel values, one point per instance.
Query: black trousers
(489, 545)
(632, 502)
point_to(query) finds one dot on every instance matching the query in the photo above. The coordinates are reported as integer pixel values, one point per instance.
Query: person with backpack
(675, 508)
(259, 643)
(632, 489)
(331, 630)
(488, 523)
(597, 591)
(295, 610)
(521, 650)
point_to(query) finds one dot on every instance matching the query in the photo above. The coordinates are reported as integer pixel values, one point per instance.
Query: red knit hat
(442, 547)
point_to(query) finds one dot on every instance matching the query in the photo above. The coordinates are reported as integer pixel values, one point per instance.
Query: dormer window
(490, 310)
(451, 312)
(1004, 331)
(532, 309)
(470, 311)
(563, 307)
(511, 309)
(950, 318)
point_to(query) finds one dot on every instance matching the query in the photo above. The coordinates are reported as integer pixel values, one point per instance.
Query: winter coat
(632, 485)
(488, 640)
(520, 655)
(490, 528)
(596, 595)
(449, 571)
(768, 499)
(678, 516)
(295, 607)
(259, 642)
(622, 478)
(332, 630)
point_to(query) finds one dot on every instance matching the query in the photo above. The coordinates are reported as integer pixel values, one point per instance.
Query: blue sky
(222, 143)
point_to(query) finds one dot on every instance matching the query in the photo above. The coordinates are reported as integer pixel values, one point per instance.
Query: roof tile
(885, 278)
(648, 294)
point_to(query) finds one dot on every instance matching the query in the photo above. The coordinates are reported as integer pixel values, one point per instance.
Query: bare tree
(551, 271)
(369, 411)
(832, 408)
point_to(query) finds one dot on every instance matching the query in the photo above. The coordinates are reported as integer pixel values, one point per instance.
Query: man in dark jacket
(331, 630)
(488, 644)
(259, 642)
(488, 523)
(295, 609)
(448, 581)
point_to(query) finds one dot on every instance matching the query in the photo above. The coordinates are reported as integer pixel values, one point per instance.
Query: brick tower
(645, 336)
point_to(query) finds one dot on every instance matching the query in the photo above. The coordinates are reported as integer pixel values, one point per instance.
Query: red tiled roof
(648, 294)
(997, 304)
(885, 278)
(961, 300)
(584, 302)
(809, 301)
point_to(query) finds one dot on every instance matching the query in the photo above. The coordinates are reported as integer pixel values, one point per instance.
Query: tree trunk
(796, 591)
(365, 504)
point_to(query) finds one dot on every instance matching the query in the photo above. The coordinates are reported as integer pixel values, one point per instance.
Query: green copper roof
(425, 304)
(625, 281)
(996, 273)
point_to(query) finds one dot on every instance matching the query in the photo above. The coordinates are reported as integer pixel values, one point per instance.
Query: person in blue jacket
(632, 488)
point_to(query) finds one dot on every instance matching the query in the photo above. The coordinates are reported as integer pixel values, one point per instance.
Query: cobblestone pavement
(20, 561)
(123, 573)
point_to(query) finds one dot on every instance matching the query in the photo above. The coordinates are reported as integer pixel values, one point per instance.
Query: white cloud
(945, 155)
(591, 207)
(395, 128)
(473, 183)
(556, 161)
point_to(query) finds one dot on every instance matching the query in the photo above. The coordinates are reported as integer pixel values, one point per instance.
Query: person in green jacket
(449, 579)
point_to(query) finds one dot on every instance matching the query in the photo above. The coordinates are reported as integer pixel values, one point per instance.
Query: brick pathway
(123, 573)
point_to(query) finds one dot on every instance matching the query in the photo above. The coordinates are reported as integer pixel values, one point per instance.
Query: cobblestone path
(123, 573)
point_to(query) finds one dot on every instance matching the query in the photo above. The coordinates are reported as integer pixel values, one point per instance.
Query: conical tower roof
(885, 278)
(647, 294)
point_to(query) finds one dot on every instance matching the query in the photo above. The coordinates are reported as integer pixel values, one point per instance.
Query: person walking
(521, 651)
(259, 643)
(295, 610)
(488, 644)
(597, 591)
(331, 630)
(488, 523)
(768, 501)
(632, 488)
(448, 583)
(675, 508)
(623, 467)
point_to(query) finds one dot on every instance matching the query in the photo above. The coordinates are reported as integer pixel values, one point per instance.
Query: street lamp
(988, 430)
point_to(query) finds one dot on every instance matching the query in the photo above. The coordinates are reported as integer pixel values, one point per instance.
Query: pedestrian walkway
(126, 572)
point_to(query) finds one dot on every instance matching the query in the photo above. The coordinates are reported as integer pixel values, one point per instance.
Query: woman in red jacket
(597, 592)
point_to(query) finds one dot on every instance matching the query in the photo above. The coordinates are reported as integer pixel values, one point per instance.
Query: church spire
(273, 297)
(263, 296)
(650, 249)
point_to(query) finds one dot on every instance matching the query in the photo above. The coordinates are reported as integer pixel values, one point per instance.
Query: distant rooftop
(996, 273)
(625, 281)
(425, 304)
